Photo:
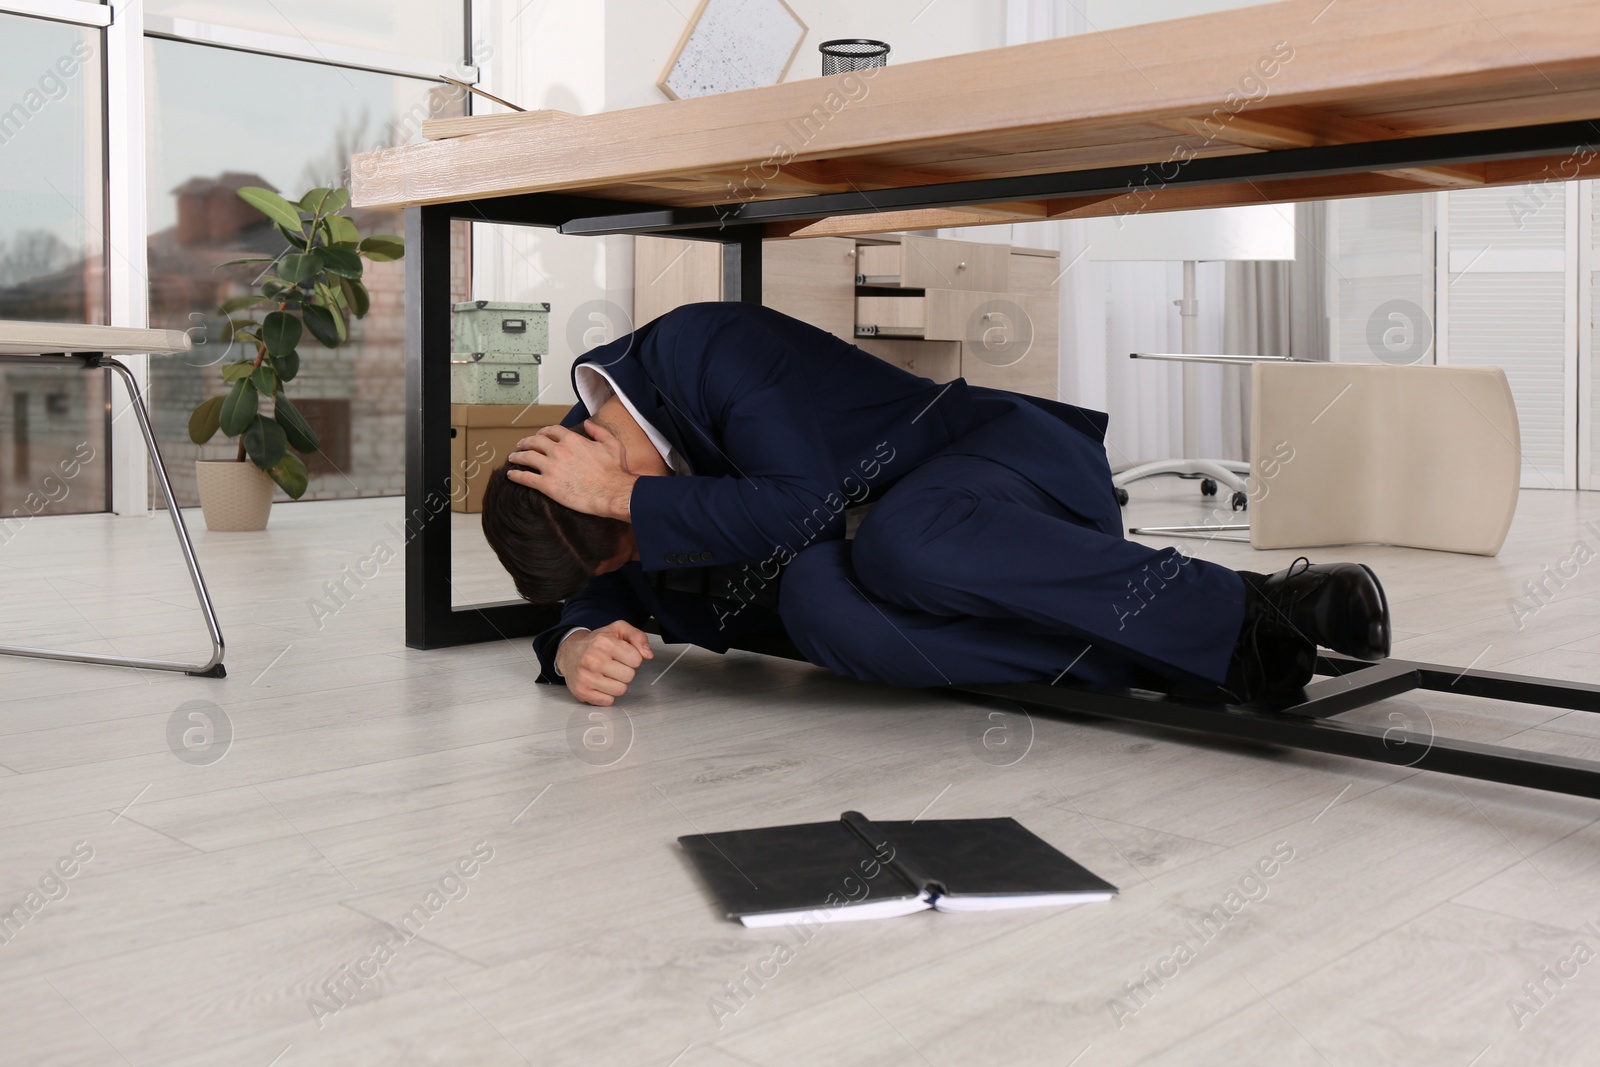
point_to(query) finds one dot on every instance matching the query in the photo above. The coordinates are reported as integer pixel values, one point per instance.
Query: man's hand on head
(585, 473)
(599, 664)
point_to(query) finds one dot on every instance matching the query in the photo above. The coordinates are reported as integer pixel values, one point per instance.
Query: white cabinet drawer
(934, 315)
(939, 360)
(812, 280)
(934, 263)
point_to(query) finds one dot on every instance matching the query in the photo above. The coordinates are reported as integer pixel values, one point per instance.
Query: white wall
(602, 55)
(1109, 14)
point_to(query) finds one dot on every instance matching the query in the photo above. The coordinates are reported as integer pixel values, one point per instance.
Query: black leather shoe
(1288, 614)
(1335, 605)
(1272, 661)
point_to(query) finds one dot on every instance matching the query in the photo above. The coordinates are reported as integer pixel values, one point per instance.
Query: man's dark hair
(551, 550)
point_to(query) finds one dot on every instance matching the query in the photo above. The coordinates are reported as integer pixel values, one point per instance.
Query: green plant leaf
(252, 259)
(291, 476)
(329, 296)
(298, 267)
(383, 247)
(294, 424)
(341, 262)
(205, 420)
(281, 331)
(341, 231)
(287, 364)
(233, 372)
(336, 201)
(239, 329)
(323, 325)
(325, 201)
(356, 296)
(312, 201)
(296, 239)
(272, 206)
(264, 442)
(239, 303)
(265, 379)
(239, 408)
(282, 292)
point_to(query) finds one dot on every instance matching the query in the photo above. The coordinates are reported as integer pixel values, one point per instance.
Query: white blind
(1589, 339)
(1509, 298)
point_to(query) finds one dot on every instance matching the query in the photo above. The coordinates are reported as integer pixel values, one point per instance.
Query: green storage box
(498, 329)
(479, 379)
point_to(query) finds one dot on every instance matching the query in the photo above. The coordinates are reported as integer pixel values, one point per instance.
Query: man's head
(551, 550)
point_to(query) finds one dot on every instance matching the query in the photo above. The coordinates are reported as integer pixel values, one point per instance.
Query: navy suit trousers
(986, 565)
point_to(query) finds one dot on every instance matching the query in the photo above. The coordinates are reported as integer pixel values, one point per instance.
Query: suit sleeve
(784, 494)
(604, 600)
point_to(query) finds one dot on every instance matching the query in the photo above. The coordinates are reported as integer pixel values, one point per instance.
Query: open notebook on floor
(858, 869)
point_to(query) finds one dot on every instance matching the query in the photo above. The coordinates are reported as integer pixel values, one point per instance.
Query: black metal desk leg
(427, 519)
(432, 621)
(741, 265)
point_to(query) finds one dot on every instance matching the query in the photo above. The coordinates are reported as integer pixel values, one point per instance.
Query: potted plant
(312, 286)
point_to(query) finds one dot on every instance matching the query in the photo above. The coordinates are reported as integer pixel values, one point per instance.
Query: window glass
(52, 265)
(220, 120)
(424, 29)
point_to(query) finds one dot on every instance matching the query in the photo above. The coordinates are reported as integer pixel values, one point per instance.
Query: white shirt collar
(595, 386)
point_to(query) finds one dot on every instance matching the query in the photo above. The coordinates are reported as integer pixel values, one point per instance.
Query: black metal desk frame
(432, 621)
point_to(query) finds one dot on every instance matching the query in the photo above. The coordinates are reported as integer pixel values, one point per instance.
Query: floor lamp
(1264, 232)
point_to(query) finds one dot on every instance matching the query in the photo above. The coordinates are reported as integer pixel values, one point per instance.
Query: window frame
(124, 27)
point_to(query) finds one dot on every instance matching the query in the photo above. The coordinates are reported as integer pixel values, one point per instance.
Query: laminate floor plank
(1468, 966)
(291, 977)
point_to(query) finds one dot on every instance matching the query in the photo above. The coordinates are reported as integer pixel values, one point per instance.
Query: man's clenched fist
(599, 664)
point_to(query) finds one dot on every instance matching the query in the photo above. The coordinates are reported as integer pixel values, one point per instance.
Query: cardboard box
(482, 436)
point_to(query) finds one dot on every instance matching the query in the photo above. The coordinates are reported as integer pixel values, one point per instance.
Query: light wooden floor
(223, 897)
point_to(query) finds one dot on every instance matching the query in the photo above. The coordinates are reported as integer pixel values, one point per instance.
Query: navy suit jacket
(784, 427)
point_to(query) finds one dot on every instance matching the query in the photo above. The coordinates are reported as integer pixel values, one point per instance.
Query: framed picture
(733, 44)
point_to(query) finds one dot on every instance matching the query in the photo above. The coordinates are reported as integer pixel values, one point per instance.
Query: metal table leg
(212, 667)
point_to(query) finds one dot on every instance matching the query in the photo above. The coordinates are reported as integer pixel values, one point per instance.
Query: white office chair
(1415, 456)
(1214, 473)
(1419, 456)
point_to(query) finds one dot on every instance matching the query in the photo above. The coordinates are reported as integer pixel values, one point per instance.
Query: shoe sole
(1378, 633)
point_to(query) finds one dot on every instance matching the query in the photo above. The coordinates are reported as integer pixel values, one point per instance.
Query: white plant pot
(234, 496)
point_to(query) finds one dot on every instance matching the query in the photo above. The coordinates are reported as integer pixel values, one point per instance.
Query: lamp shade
(1263, 231)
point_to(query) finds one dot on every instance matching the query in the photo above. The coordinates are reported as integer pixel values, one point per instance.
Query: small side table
(93, 348)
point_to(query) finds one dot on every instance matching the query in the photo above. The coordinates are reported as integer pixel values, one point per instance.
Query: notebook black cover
(989, 857)
(821, 865)
(793, 868)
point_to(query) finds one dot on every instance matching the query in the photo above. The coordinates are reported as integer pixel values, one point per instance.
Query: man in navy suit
(704, 480)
